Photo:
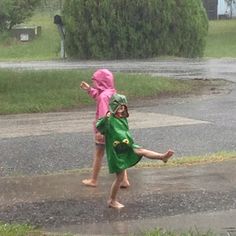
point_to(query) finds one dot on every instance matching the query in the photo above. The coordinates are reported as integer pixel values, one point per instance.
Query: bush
(14, 12)
(189, 27)
(50, 5)
(117, 29)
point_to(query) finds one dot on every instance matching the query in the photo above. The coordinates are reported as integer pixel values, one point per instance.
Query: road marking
(12, 126)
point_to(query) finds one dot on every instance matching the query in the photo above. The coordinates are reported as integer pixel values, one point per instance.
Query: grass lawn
(161, 232)
(190, 160)
(14, 229)
(23, 230)
(44, 91)
(221, 40)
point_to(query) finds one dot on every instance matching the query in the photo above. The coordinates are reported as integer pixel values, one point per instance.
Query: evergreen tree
(105, 29)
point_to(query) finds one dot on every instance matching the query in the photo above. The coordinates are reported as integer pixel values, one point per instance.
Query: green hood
(116, 101)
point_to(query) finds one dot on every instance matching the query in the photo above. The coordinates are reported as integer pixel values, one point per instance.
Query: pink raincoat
(101, 91)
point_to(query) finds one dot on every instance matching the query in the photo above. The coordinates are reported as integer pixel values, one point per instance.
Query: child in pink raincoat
(101, 91)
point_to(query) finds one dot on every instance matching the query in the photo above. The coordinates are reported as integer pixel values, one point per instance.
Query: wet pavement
(224, 68)
(199, 197)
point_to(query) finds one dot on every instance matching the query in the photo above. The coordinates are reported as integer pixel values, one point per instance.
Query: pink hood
(102, 90)
(102, 80)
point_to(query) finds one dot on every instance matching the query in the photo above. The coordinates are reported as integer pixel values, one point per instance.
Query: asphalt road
(46, 143)
(179, 68)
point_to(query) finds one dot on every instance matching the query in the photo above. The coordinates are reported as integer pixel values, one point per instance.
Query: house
(224, 10)
(219, 9)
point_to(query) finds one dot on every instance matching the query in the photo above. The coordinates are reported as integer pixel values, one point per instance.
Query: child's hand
(84, 86)
(99, 137)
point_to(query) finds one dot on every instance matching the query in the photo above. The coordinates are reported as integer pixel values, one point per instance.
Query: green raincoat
(119, 143)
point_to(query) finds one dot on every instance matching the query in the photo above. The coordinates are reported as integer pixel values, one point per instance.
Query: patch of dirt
(212, 87)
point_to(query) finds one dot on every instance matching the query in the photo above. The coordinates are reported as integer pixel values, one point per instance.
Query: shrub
(105, 29)
(14, 12)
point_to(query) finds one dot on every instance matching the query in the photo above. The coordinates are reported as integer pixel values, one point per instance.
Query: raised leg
(154, 155)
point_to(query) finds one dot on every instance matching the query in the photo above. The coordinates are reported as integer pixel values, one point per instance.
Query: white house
(224, 10)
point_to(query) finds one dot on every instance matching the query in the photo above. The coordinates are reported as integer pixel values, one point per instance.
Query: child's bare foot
(167, 155)
(115, 204)
(89, 182)
(125, 184)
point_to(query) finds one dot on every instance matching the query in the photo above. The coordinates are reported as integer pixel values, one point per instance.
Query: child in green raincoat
(121, 151)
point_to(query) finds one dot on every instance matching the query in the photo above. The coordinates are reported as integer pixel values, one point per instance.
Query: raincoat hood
(116, 101)
(102, 80)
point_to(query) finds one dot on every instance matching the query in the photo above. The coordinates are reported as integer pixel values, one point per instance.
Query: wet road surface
(181, 198)
(177, 68)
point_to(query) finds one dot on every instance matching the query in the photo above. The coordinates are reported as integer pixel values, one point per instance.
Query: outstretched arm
(90, 90)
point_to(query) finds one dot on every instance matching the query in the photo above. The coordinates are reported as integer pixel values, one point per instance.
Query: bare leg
(125, 182)
(112, 202)
(154, 155)
(97, 163)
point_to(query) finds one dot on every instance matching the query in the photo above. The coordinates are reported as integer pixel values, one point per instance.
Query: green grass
(24, 230)
(44, 91)
(15, 229)
(221, 39)
(45, 47)
(191, 160)
(161, 232)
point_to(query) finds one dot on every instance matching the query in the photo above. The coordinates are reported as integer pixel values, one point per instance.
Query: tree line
(116, 29)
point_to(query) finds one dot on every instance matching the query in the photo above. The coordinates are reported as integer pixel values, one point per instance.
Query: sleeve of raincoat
(92, 92)
(102, 105)
(102, 124)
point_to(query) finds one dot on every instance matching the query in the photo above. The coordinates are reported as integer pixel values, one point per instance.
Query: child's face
(122, 112)
(121, 109)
